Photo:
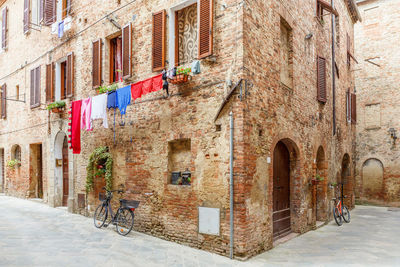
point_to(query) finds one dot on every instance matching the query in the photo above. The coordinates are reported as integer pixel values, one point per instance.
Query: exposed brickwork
(377, 78)
(246, 45)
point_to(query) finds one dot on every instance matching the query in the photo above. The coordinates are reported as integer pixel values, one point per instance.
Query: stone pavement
(34, 234)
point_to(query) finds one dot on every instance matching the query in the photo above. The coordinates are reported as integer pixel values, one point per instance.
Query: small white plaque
(209, 221)
(268, 160)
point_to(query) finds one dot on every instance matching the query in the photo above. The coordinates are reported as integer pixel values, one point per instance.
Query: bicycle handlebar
(118, 190)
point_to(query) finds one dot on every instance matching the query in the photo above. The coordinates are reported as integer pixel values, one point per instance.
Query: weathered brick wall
(377, 79)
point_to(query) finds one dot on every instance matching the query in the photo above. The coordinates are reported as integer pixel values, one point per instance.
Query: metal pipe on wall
(231, 184)
(333, 71)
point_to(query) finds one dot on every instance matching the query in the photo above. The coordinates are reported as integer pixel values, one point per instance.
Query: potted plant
(186, 177)
(317, 179)
(56, 107)
(14, 163)
(182, 75)
(104, 89)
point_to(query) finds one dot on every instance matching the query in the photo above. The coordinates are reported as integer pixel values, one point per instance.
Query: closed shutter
(49, 12)
(96, 63)
(3, 96)
(353, 108)
(32, 88)
(206, 8)
(4, 28)
(126, 51)
(70, 74)
(37, 86)
(159, 29)
(26, 16)
(49, 83)
(321, 79)
(348, 104)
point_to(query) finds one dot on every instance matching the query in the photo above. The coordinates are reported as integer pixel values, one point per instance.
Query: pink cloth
(147, 86)
(136, 90)
(157, 83)
(86, 111)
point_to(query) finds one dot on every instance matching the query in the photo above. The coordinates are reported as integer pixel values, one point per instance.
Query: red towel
(157, 83)
(76, 127)
(136, 90)
(147, 86)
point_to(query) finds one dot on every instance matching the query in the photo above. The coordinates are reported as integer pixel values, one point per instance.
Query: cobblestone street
(33, 234)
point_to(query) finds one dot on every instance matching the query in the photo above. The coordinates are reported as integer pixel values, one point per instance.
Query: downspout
(333, 71)
(231, 184)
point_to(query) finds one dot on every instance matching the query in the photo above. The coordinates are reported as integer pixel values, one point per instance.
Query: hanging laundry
(61, 29)
(147, 86)
(123, 98)
(112, 101)
(76, 127)
(136, 90)
(157, 83)
(86, 110)
(196, 67)
(99, 109)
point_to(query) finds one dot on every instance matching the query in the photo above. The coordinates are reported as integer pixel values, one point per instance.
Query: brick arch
(373, 190)
(320, 201)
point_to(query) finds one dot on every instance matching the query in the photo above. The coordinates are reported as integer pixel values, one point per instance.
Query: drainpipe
(333, 71)
(231, 184)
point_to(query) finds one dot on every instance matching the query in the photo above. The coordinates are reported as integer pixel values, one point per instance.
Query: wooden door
(2, 180)
(40, 172)
(65, 172)
(281, 191)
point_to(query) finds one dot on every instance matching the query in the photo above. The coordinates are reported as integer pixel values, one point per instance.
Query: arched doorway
(61, 178)
(281, 191)
(346, 179)
(372, 180)
(322, 186)
(65, 172)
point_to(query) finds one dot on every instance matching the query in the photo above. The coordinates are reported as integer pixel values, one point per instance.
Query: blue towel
(61, 29)
(123, 98)
(112, 101)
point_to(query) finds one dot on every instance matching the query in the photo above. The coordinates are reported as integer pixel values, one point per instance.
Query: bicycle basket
(102, 196)
(130, 203)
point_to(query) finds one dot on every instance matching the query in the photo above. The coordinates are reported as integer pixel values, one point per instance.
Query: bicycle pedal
(105, 225)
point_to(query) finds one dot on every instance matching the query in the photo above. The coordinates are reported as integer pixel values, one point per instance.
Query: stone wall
(377, 76)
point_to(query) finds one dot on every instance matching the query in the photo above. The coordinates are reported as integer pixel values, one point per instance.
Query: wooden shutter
(206, 8)
(68, 7)
(321, 79)
(348, 106)
(49, 12)
(37, 86)
(32, 88)
(96, 63)
(70, 74)
(126, 51)
(41, 11)
(4, 28)
(159, 30)
(3, 96)
(49, 83)
(353, 108)
(26, 16)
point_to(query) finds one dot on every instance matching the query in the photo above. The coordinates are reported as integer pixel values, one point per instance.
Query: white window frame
(35, 6)
(57, 91)
(171, 32)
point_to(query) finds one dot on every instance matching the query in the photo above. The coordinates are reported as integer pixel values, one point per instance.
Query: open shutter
(70, 74)
(159, 29)
(26, 16)
(353, 108)
(126, 51)
(37, 86)
(49, 83)
(3, 101)
(348, 104)
(321, 79)
(205, 11)
(96, 63)
(32, 88)
(49, 12)
(41, 10)
(4, 28)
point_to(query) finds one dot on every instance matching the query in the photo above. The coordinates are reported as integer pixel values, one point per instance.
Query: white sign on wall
(209, 221)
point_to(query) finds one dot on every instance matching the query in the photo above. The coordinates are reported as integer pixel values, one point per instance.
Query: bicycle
(123, 219)
(340, 210)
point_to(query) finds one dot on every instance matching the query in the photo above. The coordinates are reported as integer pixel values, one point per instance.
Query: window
(16, 152)
(179, 161)
(3, 99)
(35, 87)
(190, 33)
(60, 79)
(286, 54)
(55, 10)
(63, 9)
(372, 116)
(321, 79)
(4, 28)
(33, 13)
(116, 59)
(323, 5)
(17, 92)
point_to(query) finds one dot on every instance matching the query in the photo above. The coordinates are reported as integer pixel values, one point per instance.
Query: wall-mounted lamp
(308, 36)
(393, 135)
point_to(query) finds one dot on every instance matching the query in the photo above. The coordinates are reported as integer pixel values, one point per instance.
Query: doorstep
(284, 239)
(319, 224)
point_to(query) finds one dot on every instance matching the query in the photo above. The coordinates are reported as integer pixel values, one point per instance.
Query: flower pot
(57, 110)
(175, 178)
(179, 78)
(314, 182)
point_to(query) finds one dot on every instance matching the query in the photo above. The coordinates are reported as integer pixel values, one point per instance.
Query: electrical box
(209, 221)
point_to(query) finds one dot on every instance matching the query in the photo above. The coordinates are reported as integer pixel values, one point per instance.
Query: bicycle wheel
(337, 216)
(346, 214)
(100, 215)
(124, 221)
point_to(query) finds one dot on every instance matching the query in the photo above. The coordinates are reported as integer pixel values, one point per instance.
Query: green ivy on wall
(99, 156)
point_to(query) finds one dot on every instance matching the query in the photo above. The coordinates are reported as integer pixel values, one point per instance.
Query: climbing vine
(100, 158)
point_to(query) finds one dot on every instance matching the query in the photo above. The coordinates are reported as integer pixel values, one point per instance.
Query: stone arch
(295, 182)
(58, 169)
(321, 170)
(16, 152)
(372, 179)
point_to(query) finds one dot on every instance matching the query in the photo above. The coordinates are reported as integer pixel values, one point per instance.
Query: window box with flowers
(182, 75)
(56, 107)
(105, 89)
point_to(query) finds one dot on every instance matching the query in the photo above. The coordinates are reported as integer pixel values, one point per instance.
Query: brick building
(377, 76)
(267, 62)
